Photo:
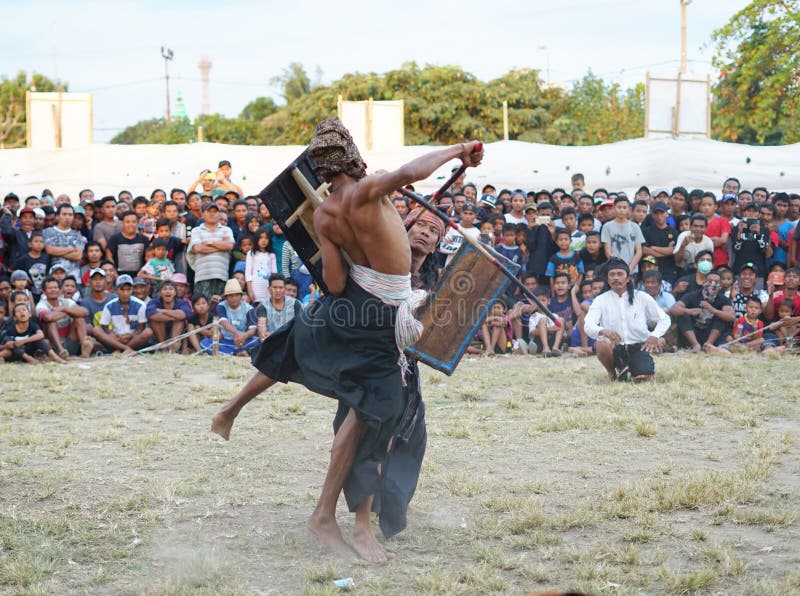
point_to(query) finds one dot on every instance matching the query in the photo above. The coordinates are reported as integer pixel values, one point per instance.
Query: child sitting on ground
(787, 332)
(22, 338)
(749, 329)
(496, 330)
(544, 332)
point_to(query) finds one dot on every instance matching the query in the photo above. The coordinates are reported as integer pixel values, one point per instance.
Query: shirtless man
(358, 218)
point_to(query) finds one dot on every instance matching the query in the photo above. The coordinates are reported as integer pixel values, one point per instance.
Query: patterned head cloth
(335, 152)
(420, 214)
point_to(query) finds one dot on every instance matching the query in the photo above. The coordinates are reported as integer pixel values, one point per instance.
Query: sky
(113, 48)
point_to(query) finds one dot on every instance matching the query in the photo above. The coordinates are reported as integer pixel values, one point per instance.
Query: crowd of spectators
(94, 276)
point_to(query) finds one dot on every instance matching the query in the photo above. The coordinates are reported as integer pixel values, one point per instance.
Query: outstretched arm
(379, 185)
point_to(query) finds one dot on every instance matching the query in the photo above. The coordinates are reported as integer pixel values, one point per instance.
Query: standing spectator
(718, 229)
(678, 204)
(565, 260)
(167, 315)
(541, 243)
(751, 243)
(260, 264)
(516, 215)
(63, 244)
(123, 321)
(21, 338)
(236, 328)
(35, 263)
(623, 238)
(781, 224)
(63, 322)
(126, 248)
(209, 253)
(16, 238)
(690, 243)
(273, 313)
(107, 224)
(618, 320)
(237, 222)
(660, 238)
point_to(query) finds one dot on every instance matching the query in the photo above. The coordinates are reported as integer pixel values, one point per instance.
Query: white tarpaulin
(694, 163)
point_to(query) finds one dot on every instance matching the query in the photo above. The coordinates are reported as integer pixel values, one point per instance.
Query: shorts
(632, 360)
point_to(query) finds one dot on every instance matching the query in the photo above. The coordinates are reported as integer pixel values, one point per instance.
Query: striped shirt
(213, 265)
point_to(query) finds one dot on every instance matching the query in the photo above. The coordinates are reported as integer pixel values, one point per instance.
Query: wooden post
(647, 103)
(676, 128)
(199, 134)
(708, 106)
(683, 36)
(215, 337)
(505, 120)
(339, 100)
(368, 128)
(60, 118)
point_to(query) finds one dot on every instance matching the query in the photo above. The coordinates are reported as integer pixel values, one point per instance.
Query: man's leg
(159, 329)
(141, 339)
(363, 539)
(178, 328)
(323, 519)
(51, 335)
(222, 422)
(107, 339)
(686, 329)
(605, 354)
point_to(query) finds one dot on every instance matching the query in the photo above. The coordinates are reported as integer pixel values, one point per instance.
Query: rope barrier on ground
(177, 338)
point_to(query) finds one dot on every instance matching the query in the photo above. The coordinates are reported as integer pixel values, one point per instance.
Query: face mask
(704, 266)
(710, 290)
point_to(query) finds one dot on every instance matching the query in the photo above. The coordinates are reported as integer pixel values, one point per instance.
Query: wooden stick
(738, 339)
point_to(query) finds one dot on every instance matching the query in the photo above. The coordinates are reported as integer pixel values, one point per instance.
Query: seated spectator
(96, 299)
(199, 319)
(123, 322)
(694, 281)
(653, 285)
(561, 304)
(182, 286)
(167, 315)
(237, 332)
(748, 330)
(63, 322)
(650, 264)
(277, 310)
(20, 282)
(519, 315)
(744, 288)
(22, 339)
(141, 289)
(788, 332)
(496, 330)
(545, 335)
(704, 316)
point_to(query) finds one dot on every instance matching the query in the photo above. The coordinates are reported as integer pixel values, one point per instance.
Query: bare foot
(327, 531)
(222, 424)
(367, 546)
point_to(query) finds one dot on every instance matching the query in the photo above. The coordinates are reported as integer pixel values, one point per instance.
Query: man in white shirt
(618, 319)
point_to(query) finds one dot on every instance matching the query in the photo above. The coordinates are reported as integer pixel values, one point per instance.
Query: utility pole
(543, 47)
(684, 4)
(167, 55)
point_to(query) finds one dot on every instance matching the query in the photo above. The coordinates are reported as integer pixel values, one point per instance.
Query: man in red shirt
(718, 229)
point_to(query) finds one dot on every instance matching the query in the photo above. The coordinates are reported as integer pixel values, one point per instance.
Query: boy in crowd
(751, 243)
(561, 304)
(592, 255)
(35, 263)
(21, 338)
(123, 321)
(278, 310)
(63, 321)
(660, 240)
(511, 251)
(621, 237)
(495, 329)
(158, 269)
(126, 248)
(545, 336)
(238, 332)
(749, 328)
(690, 243)
(565, 260)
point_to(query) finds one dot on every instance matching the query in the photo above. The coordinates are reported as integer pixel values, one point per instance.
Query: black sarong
(344, 347)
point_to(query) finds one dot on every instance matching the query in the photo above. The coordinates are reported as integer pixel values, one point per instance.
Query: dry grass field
(538, 475)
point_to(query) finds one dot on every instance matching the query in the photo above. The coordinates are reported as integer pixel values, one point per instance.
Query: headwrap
(421, 214)
(617, 263)
(335, 152)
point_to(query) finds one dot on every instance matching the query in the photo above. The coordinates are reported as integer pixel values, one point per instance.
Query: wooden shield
(455, 309)
(291, 199)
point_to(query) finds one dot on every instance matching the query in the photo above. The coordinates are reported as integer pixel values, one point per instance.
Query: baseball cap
(78, 210)
(211, 205)
(749, 205)
(776, 278)
(96, 271)
(138, 281)
(468, 207)
(607, 203)
(25, 210)
(224, 162)
(530, 207)
(179, 278)
(124, 279)
(659, 206)
(749, 265)
(489, 199)
(56, 267)
(729, 196)
(37, 212)
(649, 259)
(19, 274)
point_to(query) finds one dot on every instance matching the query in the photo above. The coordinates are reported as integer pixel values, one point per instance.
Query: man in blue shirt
(237, 332)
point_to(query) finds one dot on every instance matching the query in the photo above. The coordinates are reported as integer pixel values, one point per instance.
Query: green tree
(258, 109)
(758, 57)
(13, 116)
(295, 82)
(157, 131)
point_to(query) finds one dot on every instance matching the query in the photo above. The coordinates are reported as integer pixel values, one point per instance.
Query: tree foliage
(758, 57)
(443, 104)
(13, 106)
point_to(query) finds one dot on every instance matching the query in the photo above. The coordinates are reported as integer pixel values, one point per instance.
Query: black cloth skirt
(344, 347)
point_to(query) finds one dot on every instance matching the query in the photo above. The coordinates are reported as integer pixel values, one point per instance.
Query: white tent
(694, 163)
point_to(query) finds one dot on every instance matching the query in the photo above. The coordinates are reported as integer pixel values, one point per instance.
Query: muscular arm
(334, 270)
(379, 185)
